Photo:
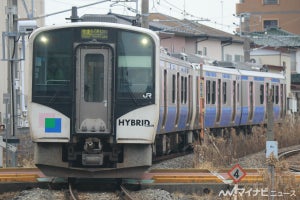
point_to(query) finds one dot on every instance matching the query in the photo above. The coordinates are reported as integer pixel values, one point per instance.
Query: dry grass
(222, 152)
(217, 152)
(24, 152)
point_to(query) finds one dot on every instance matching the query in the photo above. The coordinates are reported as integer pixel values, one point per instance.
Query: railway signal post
(271, 145)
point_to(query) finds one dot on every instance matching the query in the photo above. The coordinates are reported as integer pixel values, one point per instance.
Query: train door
(165, 98)
(92, 93)
(178, 102)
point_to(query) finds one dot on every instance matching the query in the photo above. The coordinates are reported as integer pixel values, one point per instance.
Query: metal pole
(145, 13)
(12, 15)
(1, 153)
(7, 129)
(270, 137)
(246, 39)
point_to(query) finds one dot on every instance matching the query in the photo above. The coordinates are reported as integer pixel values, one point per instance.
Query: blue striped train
(213, 96)
(104, 99)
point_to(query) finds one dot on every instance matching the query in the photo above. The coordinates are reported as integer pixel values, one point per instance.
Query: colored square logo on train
(53, 125)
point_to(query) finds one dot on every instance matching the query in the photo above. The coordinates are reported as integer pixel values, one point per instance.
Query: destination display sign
(94, 33)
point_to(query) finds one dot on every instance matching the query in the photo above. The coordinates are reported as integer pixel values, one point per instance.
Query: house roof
(169, 25)
(188, 28)
(275, 37)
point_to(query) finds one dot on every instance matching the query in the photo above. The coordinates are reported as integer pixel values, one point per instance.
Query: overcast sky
(218, 12)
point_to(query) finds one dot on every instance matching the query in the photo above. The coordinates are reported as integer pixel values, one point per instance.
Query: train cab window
(52, 64)
(135, 66)
(213, 93)
(208, 92)
(224, 92)
(262, 94)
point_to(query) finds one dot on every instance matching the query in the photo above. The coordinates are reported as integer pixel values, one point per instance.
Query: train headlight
(144, 41)
(44, 39)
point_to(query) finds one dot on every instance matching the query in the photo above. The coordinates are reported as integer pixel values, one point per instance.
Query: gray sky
(219, 12)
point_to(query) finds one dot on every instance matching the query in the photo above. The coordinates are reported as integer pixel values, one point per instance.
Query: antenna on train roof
(74, 16)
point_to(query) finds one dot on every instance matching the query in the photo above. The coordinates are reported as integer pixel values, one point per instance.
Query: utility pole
(12, 15)
(145, 13)
(271, 145)
(245, 17)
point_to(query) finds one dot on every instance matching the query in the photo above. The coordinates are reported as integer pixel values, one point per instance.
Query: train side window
(276, 94)
(173, 88)
(213, 93)
(273, 93)
(262, 94)
(207, 92)
(238, 92)
(281, 93)
(165, 96)
(185, 90)
(224, 92)
(178, 91)
(165, 88)
(182, 89)
(267, 91)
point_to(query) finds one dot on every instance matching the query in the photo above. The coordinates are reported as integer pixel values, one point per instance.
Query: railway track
(184, 180)
(19, 175)
(125, 194)
(286, 155)
(71, 193)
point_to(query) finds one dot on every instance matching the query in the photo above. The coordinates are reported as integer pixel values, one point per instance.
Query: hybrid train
(104, 99)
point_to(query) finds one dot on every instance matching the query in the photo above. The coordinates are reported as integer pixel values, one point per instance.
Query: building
(273, 29)
(185, 36)
(26, 10)
(258, 15)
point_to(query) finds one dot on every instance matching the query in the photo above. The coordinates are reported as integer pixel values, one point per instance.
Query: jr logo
(147, 95)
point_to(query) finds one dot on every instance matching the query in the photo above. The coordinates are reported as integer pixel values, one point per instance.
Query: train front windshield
(54, 78)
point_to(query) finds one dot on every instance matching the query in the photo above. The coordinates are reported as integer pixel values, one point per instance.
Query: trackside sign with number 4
(237, 173)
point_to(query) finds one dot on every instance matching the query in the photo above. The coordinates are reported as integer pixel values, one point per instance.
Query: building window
(204, 51)
(270, 23)
(228, 57)
(238, 58)
(271, 1)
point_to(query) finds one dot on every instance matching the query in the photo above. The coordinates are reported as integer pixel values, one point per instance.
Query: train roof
(262, 74)
(95, 24)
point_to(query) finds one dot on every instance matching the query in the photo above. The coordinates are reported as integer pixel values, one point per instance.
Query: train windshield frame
(54, 67)
(135, 66)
